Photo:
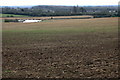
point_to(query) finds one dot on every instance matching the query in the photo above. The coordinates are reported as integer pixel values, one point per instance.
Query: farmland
(12, 15)
(73, 48)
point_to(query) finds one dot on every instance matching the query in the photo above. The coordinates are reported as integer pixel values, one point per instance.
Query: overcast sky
(57, 2)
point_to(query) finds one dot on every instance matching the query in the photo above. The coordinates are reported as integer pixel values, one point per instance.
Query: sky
(57, 2)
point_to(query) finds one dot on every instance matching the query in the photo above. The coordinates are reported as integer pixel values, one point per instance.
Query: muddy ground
(60, 55)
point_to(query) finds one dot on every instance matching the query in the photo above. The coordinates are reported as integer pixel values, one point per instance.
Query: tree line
(36, 11)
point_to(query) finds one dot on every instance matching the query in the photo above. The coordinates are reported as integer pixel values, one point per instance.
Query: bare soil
(61, 55)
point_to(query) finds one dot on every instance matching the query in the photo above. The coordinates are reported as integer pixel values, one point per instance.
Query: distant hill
(56, 10)
(17, 6)
(68, 8)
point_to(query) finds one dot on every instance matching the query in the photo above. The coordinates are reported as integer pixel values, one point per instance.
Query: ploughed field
(74, 48)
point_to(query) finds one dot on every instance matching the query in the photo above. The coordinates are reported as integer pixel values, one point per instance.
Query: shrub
(10, 20)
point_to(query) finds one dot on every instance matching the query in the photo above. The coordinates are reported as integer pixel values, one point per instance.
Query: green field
(12, 15)
(77, 48)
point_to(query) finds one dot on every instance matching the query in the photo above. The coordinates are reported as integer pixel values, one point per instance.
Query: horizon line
(57, 5)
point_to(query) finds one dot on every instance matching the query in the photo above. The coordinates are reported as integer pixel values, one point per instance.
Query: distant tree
(82, 10)
(22, 10)
(77, 9)
(74, 9)
(11, 16)
(7, 16)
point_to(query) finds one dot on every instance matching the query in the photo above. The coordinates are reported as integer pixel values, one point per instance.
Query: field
(73, 48)
(12, 15)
